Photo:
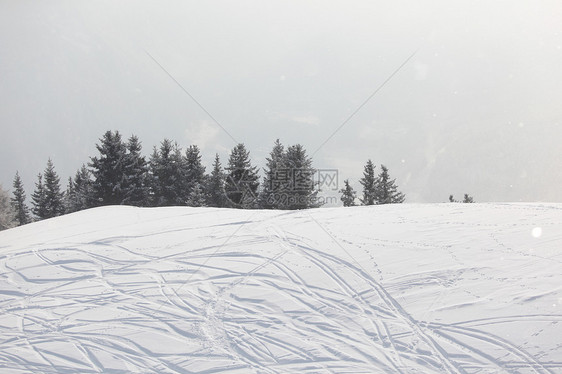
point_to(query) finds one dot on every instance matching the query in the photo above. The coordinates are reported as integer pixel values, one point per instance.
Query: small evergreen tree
(18, 202)
(242, 180)
(276, 180)
(215, 185)
(68, 196)
(135, 186)
(302, 192)
(386, 191)
(369, 183)
(108, 170)
(468, 199)
(7, 213)
(54, 197)
(348, 194)
(196, 196)
(166, 175)
(83, 191)
(38, 199)
(194, 170)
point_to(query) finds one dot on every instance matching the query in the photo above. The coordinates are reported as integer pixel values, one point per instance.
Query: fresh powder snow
(433, 288)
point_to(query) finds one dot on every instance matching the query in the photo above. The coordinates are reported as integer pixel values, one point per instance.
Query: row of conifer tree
(121, 175)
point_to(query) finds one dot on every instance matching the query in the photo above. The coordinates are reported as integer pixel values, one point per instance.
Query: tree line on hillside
(466, 199)
(376, 189)
(121, 175)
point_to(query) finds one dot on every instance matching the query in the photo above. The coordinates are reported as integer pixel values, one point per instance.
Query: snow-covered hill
(449, 288)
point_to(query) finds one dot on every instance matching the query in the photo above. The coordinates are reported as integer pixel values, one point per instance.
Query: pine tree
(18, 202)
(135, 185)
(242, 180)
(38, 199)
(108, 170)
(348, 194)
(166, 175)
(369, 184)
(7, 213)
(68, 196)
(386, 191)
(193, 169)
(276, 179)
(54, 197)
(196, 196)
(468, 199)
(302, 192)
(215, 185)
(82, 191)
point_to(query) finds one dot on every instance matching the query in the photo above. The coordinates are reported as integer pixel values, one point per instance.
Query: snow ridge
(435, 288)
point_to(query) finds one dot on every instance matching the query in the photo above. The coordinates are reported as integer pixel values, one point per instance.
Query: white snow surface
(436, 288)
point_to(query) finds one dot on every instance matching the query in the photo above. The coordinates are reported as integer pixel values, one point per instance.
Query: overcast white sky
(477, 109)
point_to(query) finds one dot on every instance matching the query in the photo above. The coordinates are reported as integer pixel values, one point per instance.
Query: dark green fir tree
(348, 194)
(215, 185)
(242, 180)
(18, 202)
(108, 170)
(386, 191)
(368, 181)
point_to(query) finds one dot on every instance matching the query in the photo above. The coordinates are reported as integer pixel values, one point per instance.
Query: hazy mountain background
(477, 109)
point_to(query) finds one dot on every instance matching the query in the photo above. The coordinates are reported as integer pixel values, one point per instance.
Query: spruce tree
(82, 191)
(215, 185)
(7, 213)
(196, 196)
(18, 202)
(302, 192)
(68, 196)
(108, 170)
(242, 180)
(38, 199)
(166, 175)
(468, 199)
(369, 184)
(54, 197)
(386, 191)
(348, 194)
(135, 185)
(276, 179)
(194, 171)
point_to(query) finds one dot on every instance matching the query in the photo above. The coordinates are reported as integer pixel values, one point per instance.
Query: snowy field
(443, 288)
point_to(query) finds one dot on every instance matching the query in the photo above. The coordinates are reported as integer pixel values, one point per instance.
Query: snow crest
(436, 288)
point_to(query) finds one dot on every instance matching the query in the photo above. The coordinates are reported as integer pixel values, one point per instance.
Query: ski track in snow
(443, 288)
